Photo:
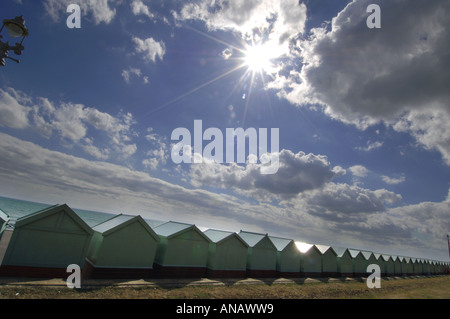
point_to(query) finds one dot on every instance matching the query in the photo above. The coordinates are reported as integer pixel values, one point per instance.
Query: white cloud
(158, 154)
(343, 200)
(297, 173)
(138, 7)
(127, 74)
(72, 123)
(359, 171)
(393, 180)
(151, 49)
(100, 9)
(12, 112)
(370, 146)
(430, 128)
(366, 76)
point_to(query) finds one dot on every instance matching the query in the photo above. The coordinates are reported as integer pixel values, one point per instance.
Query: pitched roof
(120, 221)
(154, 223)
(366, 254)
(24, 220)
(303, 247)
(4, 216)
(280, 243)
(112, 223)
(218, 236)
(251, 238)
(171, 229)
(340, 251)
(324, 248)
(355, 253)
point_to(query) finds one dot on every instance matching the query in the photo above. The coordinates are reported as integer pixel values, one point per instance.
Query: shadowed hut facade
(122, 247)
(288, 257)
(359, 263)
(182, 251)
(45, 243)
(310, 261)
(227, 254)
(329, 261)
(389, 265)
(344, 262)
(261, 255)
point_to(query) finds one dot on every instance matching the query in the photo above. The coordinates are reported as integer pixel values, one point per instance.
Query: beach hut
(403, 265)
(329, 261)
(310, 260)
(409, 268)
(261, 255)
(45, 243)
(288, 257)
(227, 254)
(182, 251)
(359, 263)
(381, 263)
(416, 266)
(122, 247)
(370, 259)
(397, 265)
(4, 219)
(344, 262)
(426, 267)
(389, 265)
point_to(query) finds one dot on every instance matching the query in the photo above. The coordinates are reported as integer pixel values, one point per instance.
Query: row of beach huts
(44, 243)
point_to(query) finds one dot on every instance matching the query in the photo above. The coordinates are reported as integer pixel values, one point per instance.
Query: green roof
(51, 210)
(251, 238)
(112, 223)
(340, 251)
(217, 236)
(324, 248)
(280, 243)
(154, 223)
(171, 229)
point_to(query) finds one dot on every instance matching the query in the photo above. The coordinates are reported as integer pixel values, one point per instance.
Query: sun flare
(258, 58)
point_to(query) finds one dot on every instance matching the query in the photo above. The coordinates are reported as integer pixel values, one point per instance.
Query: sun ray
(196, 89)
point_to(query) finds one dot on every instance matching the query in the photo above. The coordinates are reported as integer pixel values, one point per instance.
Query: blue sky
(86, 118)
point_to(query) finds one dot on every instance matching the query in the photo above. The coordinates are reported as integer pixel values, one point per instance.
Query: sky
(87, 116)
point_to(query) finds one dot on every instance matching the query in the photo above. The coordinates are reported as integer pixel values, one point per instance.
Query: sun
(258, 58)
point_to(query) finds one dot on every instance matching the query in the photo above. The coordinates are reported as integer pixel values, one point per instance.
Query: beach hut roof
(24, 220)
(172, 229)
(253, 238)
(366, 254)
(4, 216)
(218, 236)
(340, 251)
(154, 223)
(303, 247)
(386, 257)
(93, 218)
(324, 248)
(280, 243)
(119, 221)
(354, 253)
